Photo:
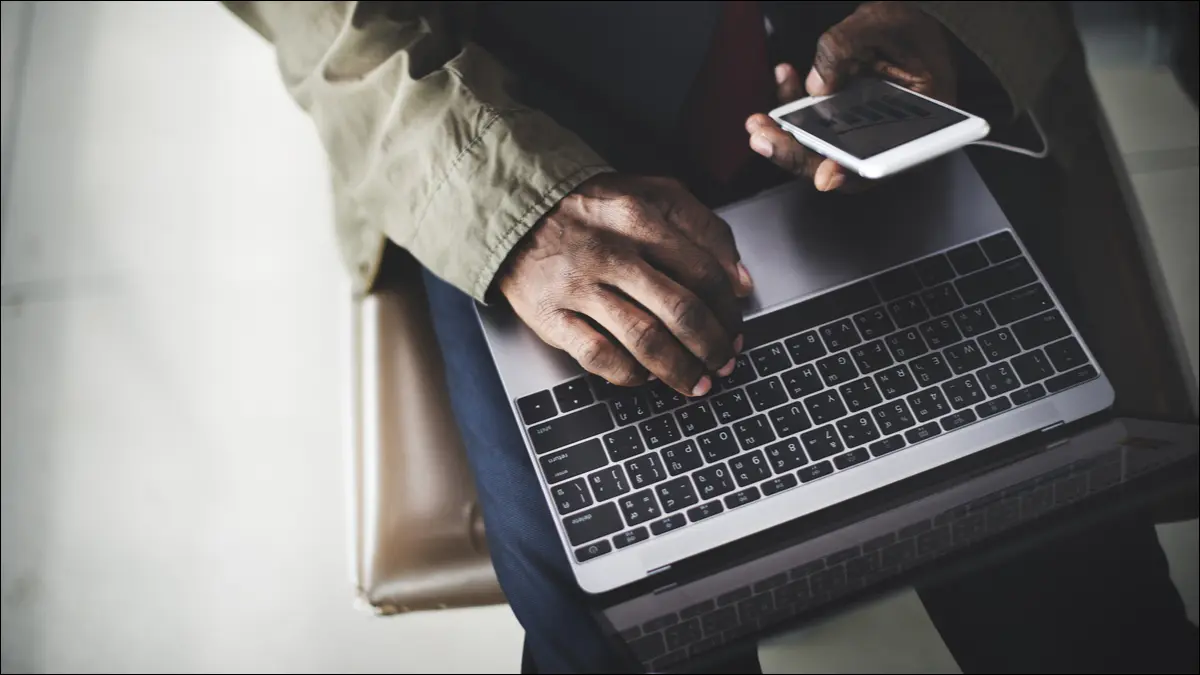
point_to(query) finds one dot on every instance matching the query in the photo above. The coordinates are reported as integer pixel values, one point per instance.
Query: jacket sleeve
(1022, 43)
(420, 131)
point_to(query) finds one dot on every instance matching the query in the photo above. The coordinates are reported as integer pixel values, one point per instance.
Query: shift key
(570, 462)
(571, 428)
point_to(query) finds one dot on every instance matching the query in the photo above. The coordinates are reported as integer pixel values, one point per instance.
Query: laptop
(889, 334)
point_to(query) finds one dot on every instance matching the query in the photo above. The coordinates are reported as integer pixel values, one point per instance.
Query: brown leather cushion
(417, 533)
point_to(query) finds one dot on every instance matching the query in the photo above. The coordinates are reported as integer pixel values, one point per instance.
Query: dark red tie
(735, 82)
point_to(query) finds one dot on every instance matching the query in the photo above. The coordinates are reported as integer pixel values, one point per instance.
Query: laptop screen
(688, 618)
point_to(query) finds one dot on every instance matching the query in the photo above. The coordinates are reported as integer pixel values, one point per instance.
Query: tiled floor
(174, 368)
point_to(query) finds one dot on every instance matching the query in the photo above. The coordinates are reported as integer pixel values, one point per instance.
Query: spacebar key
(571, 428)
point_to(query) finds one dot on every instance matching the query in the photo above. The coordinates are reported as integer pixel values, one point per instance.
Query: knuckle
(646, 336)
(594, 354)
(624, 376)
(688, 313)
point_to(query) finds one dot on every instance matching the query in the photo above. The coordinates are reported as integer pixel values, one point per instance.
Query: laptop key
(695, 418)
(941, 299)
(805, 347)
(719, 444)
(802, 381)
(1000, 247)
(623, 444)
(871, 356)
(731, 406)
(998, 379)
(860, 394)
(779, 483)
(573, 461)
(974, 320)
(814, 471)
(649, 647)
(837, 369)
(1018, 304)
(631, 537)
(570, 497)
(753, 432)
(536, 407)
(940, 332)
(897, 283)
(967, 258)
(930, 369)
(586, 553)
(676, 494)
(594, 523)
(713, 481)
(1032, 366)
(660, 431)
(789, 419)
(681, 634)
(934, 270)
(665, 525)
(857, 430)
(963, 391)
(822, 442)
(644, 471)
(896, 381)
(663, 398)
(928, 404)
(893, 417)
(839, 335)
(1030, 393)
(681, 458)
(998, 345)
(766, 393)
(639, 507)
(906, 344)
(964, 357)
(786, 455)
(573, 395)
(770, 359)
(608, 482)
(629, 408)
(742, 373)
(742, 497)
(1066, 354)
(1070, 378)
(923, 432)
(1038, 330)
(958, 419)
(995, 280)
(825, 407)
(992, 407)
(908, 311)
(849, 459)
(749, 468)
(874, 323)
(889, 444)
(705, 510)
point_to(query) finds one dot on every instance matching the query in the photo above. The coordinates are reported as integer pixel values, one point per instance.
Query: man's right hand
(633, 277)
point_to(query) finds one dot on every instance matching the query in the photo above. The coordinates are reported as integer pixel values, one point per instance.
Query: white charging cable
(1036, 154)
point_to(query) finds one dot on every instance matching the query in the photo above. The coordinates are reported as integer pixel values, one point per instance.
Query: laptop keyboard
(821, 387)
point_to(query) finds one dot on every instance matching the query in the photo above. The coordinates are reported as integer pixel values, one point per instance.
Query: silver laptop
(890, 333)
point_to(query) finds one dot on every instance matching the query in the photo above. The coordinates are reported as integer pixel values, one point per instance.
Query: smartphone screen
(871, 117)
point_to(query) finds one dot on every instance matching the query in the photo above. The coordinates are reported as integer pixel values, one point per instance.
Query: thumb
(841, 53)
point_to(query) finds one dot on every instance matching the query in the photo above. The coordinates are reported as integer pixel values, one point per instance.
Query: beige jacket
(428, 149)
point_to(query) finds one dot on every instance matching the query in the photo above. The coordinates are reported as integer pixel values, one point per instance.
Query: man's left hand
(893, 40)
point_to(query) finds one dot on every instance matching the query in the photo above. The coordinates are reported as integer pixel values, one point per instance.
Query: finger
(785, 151)
(683, 313)
(841, 52)
(789, 86)
(595, 352)
(829, 176)
(648, 341)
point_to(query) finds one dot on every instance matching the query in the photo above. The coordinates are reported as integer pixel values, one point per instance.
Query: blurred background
(176, 353)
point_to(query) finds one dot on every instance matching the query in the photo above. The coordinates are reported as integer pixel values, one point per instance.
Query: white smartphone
(875, 128)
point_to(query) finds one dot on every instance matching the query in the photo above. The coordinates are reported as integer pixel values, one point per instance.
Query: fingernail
(762, 146)
(781, 73)
(738, 343)
(814, 84)
(727, 369)
(652, 377)
(702, 386)
(831, 182)
(744, 276)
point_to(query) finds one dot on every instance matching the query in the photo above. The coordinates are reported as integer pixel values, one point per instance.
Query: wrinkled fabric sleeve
(420, 130)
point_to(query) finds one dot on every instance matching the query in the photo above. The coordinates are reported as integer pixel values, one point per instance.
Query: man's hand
(893, 40)
(633, 277)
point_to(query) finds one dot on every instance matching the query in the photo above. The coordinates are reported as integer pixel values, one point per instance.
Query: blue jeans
(561, 634)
